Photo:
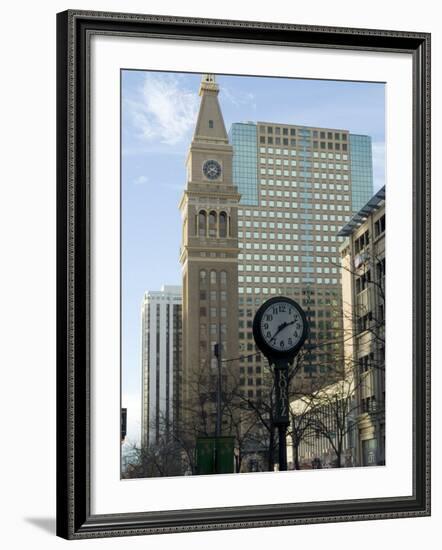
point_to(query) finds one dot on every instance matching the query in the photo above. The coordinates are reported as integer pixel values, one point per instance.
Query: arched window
(223, 278)
(213, 277)
(212, 224)
(202, 225)
(223, 224)
(203, 278)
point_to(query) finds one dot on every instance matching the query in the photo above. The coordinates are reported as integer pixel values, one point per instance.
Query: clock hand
(281, 327)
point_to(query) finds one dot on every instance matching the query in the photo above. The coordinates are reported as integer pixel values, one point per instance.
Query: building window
(379, 226)
(202, 224)
(212, 224)
(380, 270)
(362, 241)
(363, 322)
(362, 282)
(213, 277)
(223, 224)
(203, 276)
(223, 278)
(365, 363)
(210, 123)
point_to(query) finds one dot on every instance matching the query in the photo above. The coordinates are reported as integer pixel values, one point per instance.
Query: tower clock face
(280, 327)
(212, 169)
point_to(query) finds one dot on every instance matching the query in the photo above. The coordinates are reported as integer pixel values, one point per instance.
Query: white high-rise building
(161, 359)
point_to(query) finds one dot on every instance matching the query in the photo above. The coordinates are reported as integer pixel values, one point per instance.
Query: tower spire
(210, 126)
(208, 83)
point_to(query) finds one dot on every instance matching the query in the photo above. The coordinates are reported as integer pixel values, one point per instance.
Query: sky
(158, 114)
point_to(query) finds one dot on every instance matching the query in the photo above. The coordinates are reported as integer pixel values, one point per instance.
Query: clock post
(281, 417)
(280, 329)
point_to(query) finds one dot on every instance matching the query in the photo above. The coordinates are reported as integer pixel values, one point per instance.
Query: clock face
(281, 325)
(212, 169)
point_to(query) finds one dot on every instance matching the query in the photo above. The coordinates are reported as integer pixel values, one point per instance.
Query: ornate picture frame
(75, 216)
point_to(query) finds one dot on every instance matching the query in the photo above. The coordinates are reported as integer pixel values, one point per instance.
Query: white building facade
(161, 359)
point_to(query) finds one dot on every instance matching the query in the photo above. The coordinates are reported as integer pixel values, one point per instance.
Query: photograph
(226, 357)
(253, 271)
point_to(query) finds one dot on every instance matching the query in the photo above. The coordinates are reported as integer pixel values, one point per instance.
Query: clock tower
(209, 260)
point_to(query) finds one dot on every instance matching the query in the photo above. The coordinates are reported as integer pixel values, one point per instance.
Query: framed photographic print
(228, 194)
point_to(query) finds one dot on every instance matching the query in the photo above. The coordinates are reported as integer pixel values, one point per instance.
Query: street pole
(280, 328)
(218, 385)
(281, 416)
(282, 448)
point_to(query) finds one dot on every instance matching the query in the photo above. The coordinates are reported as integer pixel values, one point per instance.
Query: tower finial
(208, 82)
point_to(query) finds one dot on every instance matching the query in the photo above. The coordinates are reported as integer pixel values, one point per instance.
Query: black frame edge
(62, 246)
(73, 515)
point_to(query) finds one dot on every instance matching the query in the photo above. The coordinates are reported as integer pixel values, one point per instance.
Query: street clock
(280, 328)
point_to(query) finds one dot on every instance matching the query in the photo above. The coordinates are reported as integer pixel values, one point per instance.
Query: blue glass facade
(361, 170)
(242, 137)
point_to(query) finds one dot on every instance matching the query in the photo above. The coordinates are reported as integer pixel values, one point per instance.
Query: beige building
(363, 294)
(323, 427)
(209, 259)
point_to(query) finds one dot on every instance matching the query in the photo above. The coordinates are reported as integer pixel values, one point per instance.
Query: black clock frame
(273, 355)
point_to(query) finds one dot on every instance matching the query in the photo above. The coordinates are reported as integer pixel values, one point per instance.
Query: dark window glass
(212, 224)
(202, 224)
(223, 224)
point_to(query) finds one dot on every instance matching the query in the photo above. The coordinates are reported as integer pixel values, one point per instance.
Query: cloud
(141, 180)
(238, 98)
(162, 110)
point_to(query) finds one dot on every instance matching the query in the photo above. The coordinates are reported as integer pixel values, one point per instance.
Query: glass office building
(296, 186)
(361, 170)
(242, 137)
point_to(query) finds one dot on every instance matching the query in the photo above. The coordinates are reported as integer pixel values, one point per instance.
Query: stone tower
(209, 259)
